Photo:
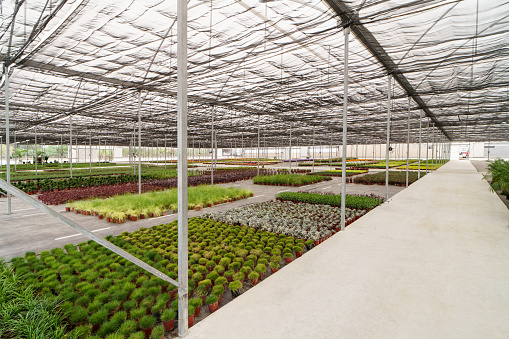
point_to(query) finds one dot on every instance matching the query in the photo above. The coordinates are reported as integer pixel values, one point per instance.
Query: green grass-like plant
(288, 179)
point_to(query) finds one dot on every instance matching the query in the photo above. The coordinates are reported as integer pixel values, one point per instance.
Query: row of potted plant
(395, 178)
(154, 204)
(103, 294)
(360, 202)
(338, 173)
(382, 164)
(226, 176)
(301, 220)
(288, 179)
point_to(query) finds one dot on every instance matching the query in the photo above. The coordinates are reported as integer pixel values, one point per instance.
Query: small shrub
(147, 322)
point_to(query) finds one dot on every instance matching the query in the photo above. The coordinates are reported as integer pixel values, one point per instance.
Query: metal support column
(419, 152)
(345, 110)
(139, 142)
(7, 136)
(70, 144)
(212, 149)
(258, 151)
(182, 165)
(388, 137)
(427, 146)
(313, 149)
(432, 148)
(290, 148)
(407, 141)
(90, 154)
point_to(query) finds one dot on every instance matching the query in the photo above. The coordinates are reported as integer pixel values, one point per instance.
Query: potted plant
(235, 288)
(213, 302)
(229, 275)
(138, 313)
(127, 328)
(137, 335)
(288, 257)
(147, 325)
(253, 277)
(157, 333)
(196, 303)
(190, 316)
(97, 319)
(218, 290)
(168, 319)
(298, 251)
(274, 266)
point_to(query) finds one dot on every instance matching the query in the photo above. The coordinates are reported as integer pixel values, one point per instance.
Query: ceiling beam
(350, 18)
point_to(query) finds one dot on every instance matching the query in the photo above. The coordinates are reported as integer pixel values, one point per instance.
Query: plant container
(213, 307)
(169, 325)
(147, 332)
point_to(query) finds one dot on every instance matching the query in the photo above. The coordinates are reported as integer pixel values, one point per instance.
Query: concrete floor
(431, 263)
(29, 229)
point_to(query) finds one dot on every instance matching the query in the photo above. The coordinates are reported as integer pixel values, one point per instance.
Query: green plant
(137, 335)
(138, 313)
(235, 285)
(98, 317)
(128, 327)
(78, 315)
(195, 302)
(115, 336)
(167, 315)
(211, 299)
(157, 333)
(147, 322)
(498, 174)
(253, 275)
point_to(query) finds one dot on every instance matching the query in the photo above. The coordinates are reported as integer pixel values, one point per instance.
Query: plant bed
(360, 202)
(224, 176)
(301, 220)
(338, 173)
(117, 295)
(395, 178)
(289, 179)
(156, 203)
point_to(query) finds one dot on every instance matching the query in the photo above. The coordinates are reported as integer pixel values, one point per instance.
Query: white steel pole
(182, 165)
(313, 149)
(388, 137)
(212, 149)
(7, 136)
(290, 148)
(433, 148)
(407, 141)
(258, 150)
(90, 154)
(427, 146)
(139, 142)
(419, 153)
(70, 144)
(345, 110)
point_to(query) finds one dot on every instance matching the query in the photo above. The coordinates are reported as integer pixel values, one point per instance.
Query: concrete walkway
(433, 262)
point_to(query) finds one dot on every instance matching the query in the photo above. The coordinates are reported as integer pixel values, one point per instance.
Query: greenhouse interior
(254, 169)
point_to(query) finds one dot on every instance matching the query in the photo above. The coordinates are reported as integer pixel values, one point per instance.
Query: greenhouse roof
(276, 62)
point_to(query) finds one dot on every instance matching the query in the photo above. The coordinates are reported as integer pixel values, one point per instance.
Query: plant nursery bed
(64, 196)
(301, 220)
(359, 202)
(289, 179)
(102, 293)
(154, 204)
(396, 178)
(338, 172)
